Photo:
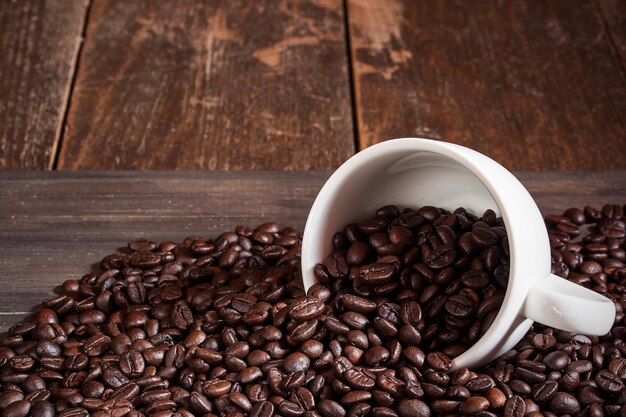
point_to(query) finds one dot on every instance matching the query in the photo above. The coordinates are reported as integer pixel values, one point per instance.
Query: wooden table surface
(303, 84)
(281, 85)
(55, 226)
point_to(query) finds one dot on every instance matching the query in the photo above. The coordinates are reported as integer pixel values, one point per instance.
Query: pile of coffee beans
(426, 278)
(222, 327)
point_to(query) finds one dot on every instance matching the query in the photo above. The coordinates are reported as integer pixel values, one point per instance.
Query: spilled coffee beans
(222, 327)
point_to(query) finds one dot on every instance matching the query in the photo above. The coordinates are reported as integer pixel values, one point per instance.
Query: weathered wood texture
(614, 12)
(55, 225)
(211, 85)
(535, 85)
(39, 43)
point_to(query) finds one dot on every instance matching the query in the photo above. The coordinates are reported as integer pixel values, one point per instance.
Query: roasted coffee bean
(42, 409)
(557, 360)
(132, 363)
(127, 391)
(390, 384)
(618, 367)
(199, 403)
(358, 410)
(609, 382)
(414, 355)
(433, 391)
(479, 384)
(543, 342)
(444, 406)
(357, 253)
(155, 394)
(216, 387)
(515, 407)
(335, 325)
(376, 355)
(182, 316)
(459, 306)
(438, 361)
(564, 403)
(336, 265)
(97, 345)
(141, 245)
(354, 397)
(21, 363)
(355, 320)
(10, 396)
(520, 387)
(262, 409)
(312, 348)
(92, 389)
(588, 395)
(329, 408)
(474, 405)
(458, 392)
(341, 364)
(413, 408)
(294, 381)
(377, 274)
(581, 367)
(545, 391)
(484, 237)
(33, 383)
(359, 379)
(306, 330)
(440, 256)
(569, 381)
(495, 397)
(529, 376)
(18, 408)
(113, 377)
(296, 362)
(306, 308)
(382, 398)
(290, 409)
(358, 304)
(144, 260)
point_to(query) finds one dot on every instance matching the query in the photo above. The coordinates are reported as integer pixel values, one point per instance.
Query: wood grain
(55, 225)
(614, 12)
(535, 85)
(224, 85)
(39, 41)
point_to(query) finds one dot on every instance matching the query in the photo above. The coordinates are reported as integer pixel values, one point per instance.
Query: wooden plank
(211, 85)
(55, 225)
(614, 12)
(39, 41)
(534, 85)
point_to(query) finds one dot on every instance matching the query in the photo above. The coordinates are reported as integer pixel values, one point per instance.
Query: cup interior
(413, 179)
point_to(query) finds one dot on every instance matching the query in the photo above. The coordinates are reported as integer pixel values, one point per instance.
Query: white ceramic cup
(414, 172)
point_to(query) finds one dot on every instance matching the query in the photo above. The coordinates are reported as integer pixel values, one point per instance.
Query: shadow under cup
(415, 179)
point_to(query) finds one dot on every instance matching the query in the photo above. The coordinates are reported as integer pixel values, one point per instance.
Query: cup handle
(559, 303)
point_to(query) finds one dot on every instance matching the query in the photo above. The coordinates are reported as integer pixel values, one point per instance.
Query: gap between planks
(67, 99)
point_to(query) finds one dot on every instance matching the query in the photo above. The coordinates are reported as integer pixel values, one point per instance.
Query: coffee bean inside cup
(435, 279)
(222, 327)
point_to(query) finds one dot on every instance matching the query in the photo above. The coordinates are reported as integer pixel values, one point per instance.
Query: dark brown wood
(211, 85)
(614, 12)
(39, 43)
(55, 225)
(535, 85)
